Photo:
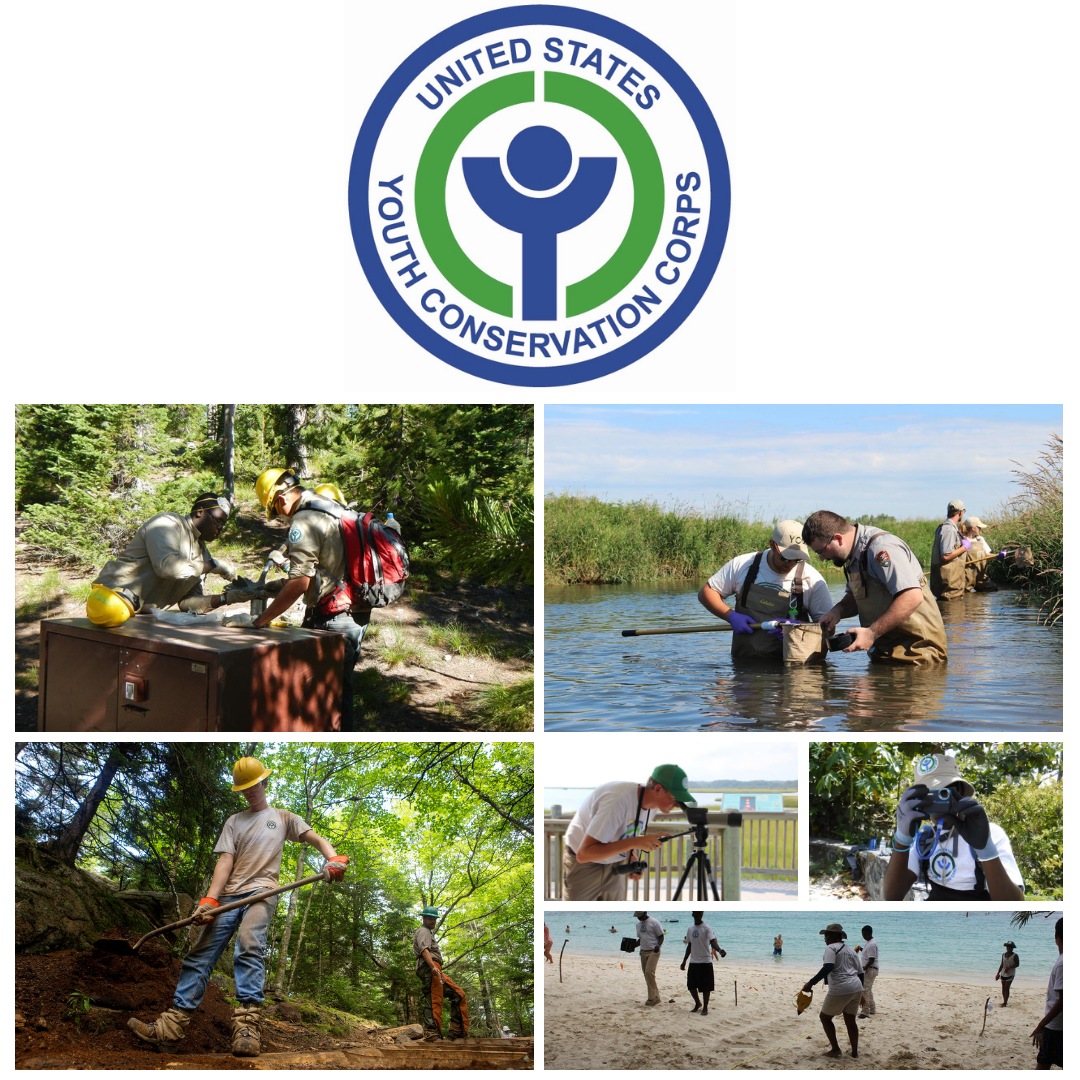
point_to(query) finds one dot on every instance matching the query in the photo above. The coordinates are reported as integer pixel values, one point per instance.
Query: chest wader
(919, 639)
(761, 604)
(976, 575)
(947, 579)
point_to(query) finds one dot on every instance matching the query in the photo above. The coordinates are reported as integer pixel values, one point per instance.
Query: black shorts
(700, 977)
(1052, 1049)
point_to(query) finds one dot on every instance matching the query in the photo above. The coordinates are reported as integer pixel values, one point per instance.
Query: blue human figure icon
(539, 158)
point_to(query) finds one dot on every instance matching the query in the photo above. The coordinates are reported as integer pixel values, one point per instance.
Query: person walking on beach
(899, 617)
(650, 935)
(1048, 1035)
(870, 972)
(777, 583)
(547, 945)
(1006, 971)
(701, 948)
(778, 945)
(843, 976)
(611, 825)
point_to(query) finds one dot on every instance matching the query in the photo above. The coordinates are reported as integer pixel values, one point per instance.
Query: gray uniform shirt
(316, 550)
(162, 564)
(889, 561)
(948, 536)
(425, 939)
(649, 933)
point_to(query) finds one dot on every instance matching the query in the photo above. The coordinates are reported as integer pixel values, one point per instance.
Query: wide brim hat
(788, 538)
(938, 771)
(833, 928)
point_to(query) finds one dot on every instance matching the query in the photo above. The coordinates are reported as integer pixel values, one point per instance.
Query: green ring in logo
(625, 128)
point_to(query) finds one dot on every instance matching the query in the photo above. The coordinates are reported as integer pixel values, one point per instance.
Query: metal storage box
(151, 676)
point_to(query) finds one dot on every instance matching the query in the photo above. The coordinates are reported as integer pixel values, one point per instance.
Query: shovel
(1022, 556)
(122, 948)
(712, 628)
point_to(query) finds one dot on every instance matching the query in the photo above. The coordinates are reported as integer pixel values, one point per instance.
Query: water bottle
(391, 523)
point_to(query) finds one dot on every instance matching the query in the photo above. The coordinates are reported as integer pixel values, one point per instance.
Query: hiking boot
(245, 1031)
(432, 1036)
(166, 1031)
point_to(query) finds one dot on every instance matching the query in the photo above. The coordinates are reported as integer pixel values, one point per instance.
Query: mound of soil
(118, 987)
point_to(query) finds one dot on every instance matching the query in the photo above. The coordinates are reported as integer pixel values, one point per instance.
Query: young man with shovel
(249, 858)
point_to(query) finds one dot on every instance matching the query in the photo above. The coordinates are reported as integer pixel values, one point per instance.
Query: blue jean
(254, 922)
(346, 624)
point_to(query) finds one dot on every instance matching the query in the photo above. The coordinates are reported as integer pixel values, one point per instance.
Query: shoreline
(596, 1019)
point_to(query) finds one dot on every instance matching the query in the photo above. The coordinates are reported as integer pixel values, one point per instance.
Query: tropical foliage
(445, 824)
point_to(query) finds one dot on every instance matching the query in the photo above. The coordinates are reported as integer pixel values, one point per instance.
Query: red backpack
(376, 562)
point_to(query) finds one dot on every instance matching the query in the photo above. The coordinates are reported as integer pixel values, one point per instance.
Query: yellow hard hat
(330, 491)
(247, 772)
(106, 607)
(270, 484)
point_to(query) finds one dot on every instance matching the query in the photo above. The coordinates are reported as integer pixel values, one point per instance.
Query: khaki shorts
(835, 1004)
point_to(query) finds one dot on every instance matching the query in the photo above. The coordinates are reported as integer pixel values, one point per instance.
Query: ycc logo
(539, 195)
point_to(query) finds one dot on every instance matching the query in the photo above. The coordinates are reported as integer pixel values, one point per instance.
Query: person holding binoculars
(944, 838)
(610, 826)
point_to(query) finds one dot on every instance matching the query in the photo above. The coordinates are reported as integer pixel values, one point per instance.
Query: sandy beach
(596, 1019)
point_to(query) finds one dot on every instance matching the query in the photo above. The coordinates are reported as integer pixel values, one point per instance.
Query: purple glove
(1001, 554)
(778, 629)
(965, 543)
(741, 624)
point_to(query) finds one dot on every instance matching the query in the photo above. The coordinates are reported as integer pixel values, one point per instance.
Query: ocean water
(943, 945)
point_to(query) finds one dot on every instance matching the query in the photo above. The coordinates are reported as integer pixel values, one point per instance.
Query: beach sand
(596, 1019)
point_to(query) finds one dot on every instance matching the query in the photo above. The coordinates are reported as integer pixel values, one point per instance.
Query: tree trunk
(286, 934)
(66, 846)
(296, 449)
(299, 943)
(229, 438)
(485, 986)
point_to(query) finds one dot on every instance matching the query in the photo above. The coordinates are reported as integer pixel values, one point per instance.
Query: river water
(951, 946)
(1004, 671)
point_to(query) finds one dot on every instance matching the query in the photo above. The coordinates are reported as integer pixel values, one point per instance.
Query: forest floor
(72, 1008)
(450, 656)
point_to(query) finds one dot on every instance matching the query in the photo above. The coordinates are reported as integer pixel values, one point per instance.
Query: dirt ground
(56, 1032)
(431, 689)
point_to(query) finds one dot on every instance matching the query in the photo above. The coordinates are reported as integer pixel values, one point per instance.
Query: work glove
(970, 821)
(207, 904)
(277, 557)
(199, 604)
(965, 543)
(908, 815)
(241, 618)
(223, 569)
(243, 593)
(272, 588)
(740, 623)
(336, 866)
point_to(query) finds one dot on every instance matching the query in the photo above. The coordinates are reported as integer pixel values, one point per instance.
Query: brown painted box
(150, 676)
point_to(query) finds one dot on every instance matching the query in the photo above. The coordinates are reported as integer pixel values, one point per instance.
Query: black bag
(628, 944)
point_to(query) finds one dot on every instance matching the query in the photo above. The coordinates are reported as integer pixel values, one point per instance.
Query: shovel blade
(114, 945)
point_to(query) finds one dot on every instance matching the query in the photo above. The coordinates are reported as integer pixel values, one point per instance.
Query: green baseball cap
(432, 911)
(674, 779)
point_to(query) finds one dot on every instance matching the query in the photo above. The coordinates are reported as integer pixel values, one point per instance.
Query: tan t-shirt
(425, 939)
(316, 550)
(256, 841)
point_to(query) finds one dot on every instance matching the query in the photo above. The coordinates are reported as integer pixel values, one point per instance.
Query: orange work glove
(209, 903)
(336, 866)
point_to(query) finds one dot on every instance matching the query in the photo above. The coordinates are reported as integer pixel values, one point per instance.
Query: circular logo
(927, 764)
(539, 195)
(943, 866)
(271, 824)
(294, 535)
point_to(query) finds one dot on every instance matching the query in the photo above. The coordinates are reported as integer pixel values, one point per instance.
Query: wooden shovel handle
(265, 895)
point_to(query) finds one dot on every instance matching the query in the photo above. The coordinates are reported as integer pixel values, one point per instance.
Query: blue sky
(775, 461)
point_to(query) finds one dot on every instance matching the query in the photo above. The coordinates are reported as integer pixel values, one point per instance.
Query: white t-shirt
(649, 933)
(256, 841)
(957, 871)
(607, 815)
(698, 938)
(1053, 994)
(844, 977)
(728, 580)
(1009, 963)
(870, 952)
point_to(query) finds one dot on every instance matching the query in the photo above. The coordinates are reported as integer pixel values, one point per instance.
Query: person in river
(701, 950)
(778, 945)
(949, 555)
(899, 618)
(961, 855)
(610, 826)
(777, 583)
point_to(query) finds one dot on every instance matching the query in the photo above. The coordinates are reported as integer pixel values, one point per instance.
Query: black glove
(971, 822)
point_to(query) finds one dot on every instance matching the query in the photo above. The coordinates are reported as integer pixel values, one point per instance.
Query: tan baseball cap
(788, 538)
(938, 771)
(973, 520)
(957, 504)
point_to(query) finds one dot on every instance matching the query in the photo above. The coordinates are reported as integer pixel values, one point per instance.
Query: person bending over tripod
(701, 948)
(609, 826)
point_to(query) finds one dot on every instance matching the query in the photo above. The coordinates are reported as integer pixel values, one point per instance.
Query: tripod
(698, 859)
